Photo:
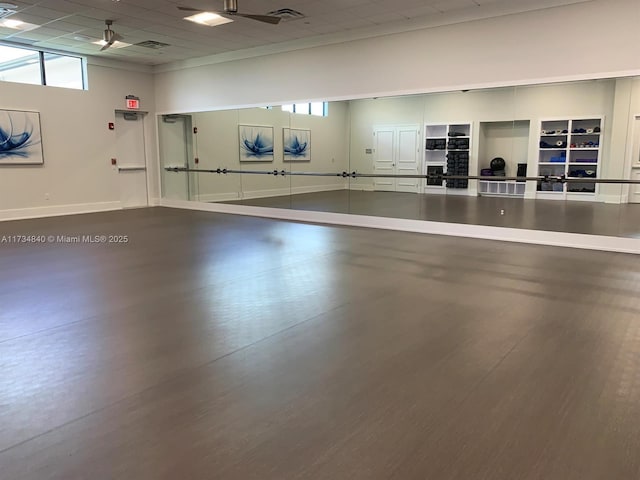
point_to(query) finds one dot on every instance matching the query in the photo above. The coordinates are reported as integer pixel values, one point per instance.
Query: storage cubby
(447, 148)
(569, 148)
(508, 140)
(501, 188)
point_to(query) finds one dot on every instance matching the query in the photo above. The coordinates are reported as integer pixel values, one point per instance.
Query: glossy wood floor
(593, 218)
(220, 347)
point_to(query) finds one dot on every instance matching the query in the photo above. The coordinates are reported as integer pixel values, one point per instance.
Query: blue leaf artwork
(256, 143)
(20, 140)
(297, 145)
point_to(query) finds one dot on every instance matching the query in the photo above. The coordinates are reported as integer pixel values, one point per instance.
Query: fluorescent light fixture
(16, 24)
(116, 44)
(208, 18)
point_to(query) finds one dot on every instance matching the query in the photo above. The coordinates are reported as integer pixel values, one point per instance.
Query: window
(40, 68)
(19, 65)
(63, 71)
(314, 108)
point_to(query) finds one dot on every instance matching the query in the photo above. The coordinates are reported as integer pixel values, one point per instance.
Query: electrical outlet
(46, 196)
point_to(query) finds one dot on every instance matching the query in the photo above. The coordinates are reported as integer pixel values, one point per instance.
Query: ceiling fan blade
(189, 9)
(105, 46)
(261, 18)
(116, 38)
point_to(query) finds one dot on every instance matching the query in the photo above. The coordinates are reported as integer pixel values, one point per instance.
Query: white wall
(508, 140)
(77, 174)
(216, 145)
(589, 39)
(531, 103)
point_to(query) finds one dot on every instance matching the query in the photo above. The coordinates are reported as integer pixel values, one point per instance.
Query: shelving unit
(570, 148)
(501, 188)
(447, 148)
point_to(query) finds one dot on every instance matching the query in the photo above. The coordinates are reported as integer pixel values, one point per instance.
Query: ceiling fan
(109, 36)
(231, 8)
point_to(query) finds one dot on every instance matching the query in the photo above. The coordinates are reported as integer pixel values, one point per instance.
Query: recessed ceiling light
(208, 18)
(16, 24)
(116, 44)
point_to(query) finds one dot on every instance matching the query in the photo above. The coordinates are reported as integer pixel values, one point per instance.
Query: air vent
(152, 44)
(6, 10)
(287, 14)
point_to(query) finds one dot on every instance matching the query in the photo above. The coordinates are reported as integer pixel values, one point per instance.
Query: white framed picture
(20, 138)
(255, 143)
(297, 144)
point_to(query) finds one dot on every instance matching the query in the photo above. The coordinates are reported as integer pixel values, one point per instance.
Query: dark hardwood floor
(592, 218)
(220, 347)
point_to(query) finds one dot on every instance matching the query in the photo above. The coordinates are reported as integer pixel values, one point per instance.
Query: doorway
(176, 151)
(132, 159)
(634, 190)
(396, 152)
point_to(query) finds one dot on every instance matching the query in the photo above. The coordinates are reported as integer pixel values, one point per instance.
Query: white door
(174, 152)
(384, 158)
(397, 152)
(131, 159)
(634, 190)
(407, 158)
(634, 196)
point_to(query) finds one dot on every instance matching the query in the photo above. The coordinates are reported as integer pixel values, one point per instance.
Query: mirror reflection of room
(580, 131)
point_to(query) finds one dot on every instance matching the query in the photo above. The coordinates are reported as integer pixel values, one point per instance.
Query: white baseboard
(361, 188)
(461, 192)
(516, 235)
(278, 192)
(58, 210)
(218, 197)
(613, 199)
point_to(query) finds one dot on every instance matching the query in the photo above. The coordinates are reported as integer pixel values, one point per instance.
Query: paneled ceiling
(71, 25)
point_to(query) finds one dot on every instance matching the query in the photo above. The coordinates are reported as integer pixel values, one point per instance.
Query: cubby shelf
(570, 167)
(440, 160)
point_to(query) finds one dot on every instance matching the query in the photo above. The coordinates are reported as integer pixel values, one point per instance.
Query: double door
(396, 152)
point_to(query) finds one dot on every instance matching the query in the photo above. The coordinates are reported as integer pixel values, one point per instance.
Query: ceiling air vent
(286, 14)
(152, 44)
(7, 9)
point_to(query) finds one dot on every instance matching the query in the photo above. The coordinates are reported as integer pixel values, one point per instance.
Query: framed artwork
(20, 138)
(255, 143)
(297, 145)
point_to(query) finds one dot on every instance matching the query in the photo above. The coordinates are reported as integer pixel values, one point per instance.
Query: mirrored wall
(539, 150)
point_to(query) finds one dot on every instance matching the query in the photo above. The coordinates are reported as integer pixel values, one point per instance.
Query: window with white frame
(35, 67)
(319, 109)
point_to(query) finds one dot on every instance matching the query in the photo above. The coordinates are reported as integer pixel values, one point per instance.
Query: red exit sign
(133, 103)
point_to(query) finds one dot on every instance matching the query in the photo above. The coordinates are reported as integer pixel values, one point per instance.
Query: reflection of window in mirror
(319, 109)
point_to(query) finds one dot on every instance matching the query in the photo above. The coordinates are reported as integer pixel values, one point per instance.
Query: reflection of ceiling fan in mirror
(109, 36)
(231, 8)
